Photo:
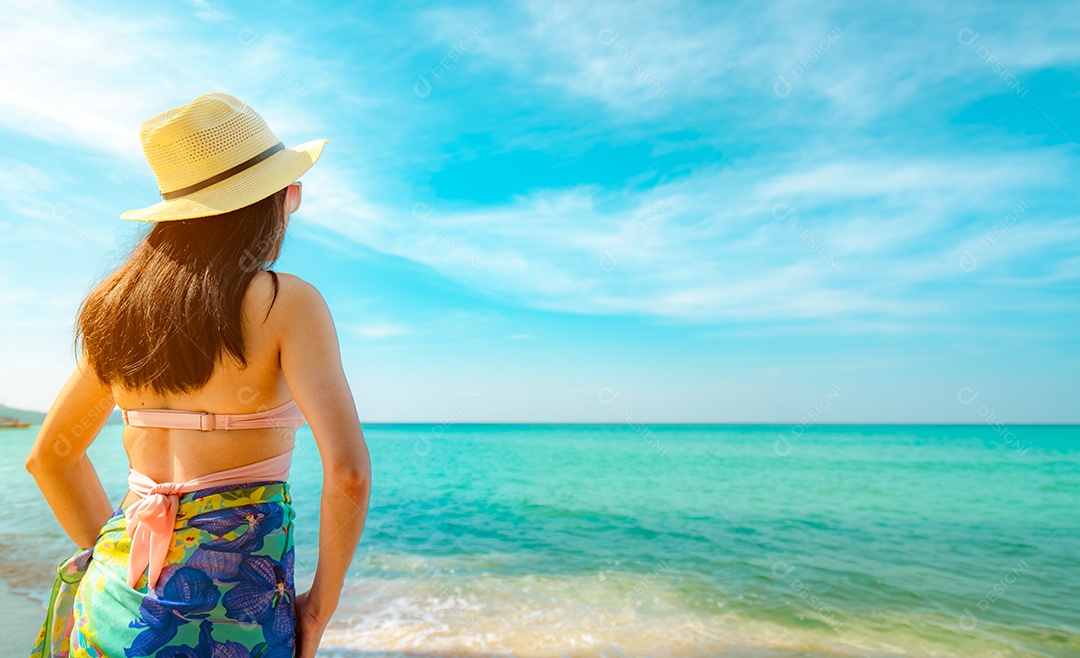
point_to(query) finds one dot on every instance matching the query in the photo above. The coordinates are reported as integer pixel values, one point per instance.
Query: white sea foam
(533, 616)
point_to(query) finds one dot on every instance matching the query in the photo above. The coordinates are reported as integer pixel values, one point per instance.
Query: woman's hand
(309, 627)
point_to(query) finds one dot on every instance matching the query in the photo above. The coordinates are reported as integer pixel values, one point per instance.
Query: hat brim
(242, 189)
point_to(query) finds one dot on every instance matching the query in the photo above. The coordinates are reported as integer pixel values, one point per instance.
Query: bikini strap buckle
(207, 422)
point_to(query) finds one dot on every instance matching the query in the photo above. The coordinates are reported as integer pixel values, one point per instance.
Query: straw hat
(213, 155)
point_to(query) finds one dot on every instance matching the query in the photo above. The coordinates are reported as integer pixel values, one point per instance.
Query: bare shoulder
(289, 290)
(296, 294)
(294, 283)
(298, 305)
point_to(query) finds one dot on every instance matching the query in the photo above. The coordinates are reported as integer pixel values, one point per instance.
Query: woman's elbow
(37, 460)
(38, 464)
(354, 480)
(51, 455)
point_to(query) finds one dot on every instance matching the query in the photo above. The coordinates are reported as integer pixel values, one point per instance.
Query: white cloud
(713, 250)
(87, 79)
(859, 150)
(864, 63)
(208, 10)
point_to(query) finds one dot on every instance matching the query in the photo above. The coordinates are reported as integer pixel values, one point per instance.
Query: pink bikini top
(151, 520)
(287, 415)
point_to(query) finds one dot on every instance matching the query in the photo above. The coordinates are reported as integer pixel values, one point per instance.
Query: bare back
(176, 455)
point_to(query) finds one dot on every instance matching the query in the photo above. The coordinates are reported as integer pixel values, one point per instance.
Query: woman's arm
(58, 458)
(311, 364)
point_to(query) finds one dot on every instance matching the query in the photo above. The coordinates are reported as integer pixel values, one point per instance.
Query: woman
(215, 361)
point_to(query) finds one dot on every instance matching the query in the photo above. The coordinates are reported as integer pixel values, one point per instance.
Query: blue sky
(601, 212)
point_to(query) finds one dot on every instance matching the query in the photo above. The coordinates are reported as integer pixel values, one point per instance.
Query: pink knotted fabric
(151, 520)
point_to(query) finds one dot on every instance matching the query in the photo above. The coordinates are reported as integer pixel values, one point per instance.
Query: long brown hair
(163, 318)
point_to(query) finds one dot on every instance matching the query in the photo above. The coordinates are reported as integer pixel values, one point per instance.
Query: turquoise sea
(675, 540)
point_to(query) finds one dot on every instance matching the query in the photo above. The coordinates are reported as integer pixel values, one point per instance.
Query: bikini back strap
(284, 416)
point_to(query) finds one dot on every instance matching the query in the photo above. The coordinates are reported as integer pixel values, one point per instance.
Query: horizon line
(701, 423)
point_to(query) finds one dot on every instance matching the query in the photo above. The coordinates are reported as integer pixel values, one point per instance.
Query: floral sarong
(226, 589)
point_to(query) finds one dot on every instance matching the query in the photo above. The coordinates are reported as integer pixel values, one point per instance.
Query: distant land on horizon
(36, 417)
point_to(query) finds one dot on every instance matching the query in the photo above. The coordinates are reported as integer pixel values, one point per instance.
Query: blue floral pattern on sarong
(226, 590)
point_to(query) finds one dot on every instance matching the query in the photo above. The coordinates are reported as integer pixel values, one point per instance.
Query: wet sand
(20, 620)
